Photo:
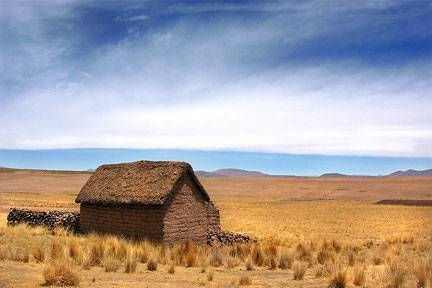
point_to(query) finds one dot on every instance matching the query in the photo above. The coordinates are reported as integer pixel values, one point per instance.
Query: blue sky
(273, 163)
(298, 77)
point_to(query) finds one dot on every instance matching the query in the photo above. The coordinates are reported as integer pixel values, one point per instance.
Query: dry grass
(131, 263)
(111, 264)
(245, 280)
(152, 265)
(258, 255)
(359, 276)
(60, 273)
(191, 253)
(322, 257)
(423, 273)
(286, 260)
(367, 238)
(339, 280)
(216, 258)
(171, 269)
(210, 276)
(395, 275)
(299, 269)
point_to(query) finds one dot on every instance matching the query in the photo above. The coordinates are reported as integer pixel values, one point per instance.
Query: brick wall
(186, 215)
(213, 217)
(139, 221)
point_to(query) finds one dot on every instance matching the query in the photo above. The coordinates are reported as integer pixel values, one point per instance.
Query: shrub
(85, 260)
(422, 272)
(320, 271)
(351, 258)
(60, 273)
(191, 256)
(258, 255)
(210, 275)
(171, 269)
(131, 263)
(336, 246)
(26, 255)
(74, 250)
(245, 280)
(216, 258)
(240, 251)
(299, 269)
(56, 250)
(142, 254)
(339, 280)
(96, 254)
(232, 262)
(249, 265)
(272, 263)
(152, 265)
(203, 267)
(377, 260)
(39, 254)
(359, 276)
(285, 261)
(325, 254)
(395, 275)
(111, 264)
(303, 252)
(3, 252)
(272, 249)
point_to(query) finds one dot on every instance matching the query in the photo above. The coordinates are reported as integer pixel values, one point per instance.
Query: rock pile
(227, 238)
(50, 219)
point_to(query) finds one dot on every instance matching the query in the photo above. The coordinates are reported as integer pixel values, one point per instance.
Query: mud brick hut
(160, 201)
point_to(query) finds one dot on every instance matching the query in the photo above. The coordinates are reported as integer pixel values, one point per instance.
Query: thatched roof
(137, 183)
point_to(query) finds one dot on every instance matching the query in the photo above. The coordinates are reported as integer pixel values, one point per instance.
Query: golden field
(325, 228)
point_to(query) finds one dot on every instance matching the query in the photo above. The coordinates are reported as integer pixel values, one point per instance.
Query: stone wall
(132, 221)
(186, 215)
(213, 217)
(227, 238)
(50, 219)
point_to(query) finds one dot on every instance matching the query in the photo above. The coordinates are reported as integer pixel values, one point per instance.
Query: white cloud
(137, 18)
(176, 89)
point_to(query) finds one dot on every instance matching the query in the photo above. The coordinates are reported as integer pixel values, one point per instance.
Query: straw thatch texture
(136, 183)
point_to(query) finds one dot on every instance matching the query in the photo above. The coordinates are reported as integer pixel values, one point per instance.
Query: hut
(161, 201)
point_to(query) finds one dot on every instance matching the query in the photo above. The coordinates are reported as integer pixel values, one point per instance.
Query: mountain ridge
(412, 172)
(231, 172)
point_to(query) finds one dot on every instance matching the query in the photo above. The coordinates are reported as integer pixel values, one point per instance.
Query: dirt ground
(298, 208)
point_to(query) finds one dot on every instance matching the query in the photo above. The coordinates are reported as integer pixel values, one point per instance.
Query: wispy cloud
(135, 18)
(298, 78)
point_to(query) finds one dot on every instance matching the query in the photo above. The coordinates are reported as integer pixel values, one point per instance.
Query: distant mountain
(234, 173)
(412, 172)
(334, 175)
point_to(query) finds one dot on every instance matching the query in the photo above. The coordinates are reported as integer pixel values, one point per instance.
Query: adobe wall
(213, 217)
(132, 221)
(186, 215)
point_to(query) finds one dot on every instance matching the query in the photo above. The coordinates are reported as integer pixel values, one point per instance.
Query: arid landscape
(312, 232)
(216, 143)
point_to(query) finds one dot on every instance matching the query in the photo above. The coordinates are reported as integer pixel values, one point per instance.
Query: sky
(272, 163)
(303, 77)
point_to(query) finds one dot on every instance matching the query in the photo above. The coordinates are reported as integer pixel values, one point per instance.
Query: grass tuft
(152, 265)
(60, 273)
(359, 276)
(111, 264)
(339, 280)
(245, 280)
(299, 269)
(171, 269)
